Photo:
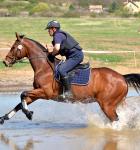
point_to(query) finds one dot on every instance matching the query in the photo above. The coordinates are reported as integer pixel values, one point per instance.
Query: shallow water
(70, 126)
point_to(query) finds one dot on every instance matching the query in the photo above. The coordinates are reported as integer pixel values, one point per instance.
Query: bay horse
(107, 87)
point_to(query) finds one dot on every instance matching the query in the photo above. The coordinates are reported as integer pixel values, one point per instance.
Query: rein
(41, 57)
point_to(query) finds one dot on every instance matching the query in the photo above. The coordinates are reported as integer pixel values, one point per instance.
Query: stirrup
(66, 95)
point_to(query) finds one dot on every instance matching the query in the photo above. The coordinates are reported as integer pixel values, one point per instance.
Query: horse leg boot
(10, 114)
(25, 110)
(22, 105)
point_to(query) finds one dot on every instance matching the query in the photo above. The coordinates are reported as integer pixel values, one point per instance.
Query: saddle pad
(81, 77)
(77, 76)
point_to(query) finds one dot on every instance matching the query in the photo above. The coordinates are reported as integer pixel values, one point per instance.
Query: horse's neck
(39, 64)
(38, 58)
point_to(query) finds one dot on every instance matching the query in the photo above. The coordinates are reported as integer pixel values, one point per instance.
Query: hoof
(1, 120)
(29, 115)
(117, 119)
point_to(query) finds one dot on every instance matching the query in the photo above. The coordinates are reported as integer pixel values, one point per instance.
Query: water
(70, 126)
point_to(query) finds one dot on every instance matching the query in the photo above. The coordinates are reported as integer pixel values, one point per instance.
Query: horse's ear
(17, 36)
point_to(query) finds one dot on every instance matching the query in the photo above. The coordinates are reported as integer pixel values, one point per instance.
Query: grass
(115, 34)
(19, 65)
(107, 58)
(1, 65)
(90, 32)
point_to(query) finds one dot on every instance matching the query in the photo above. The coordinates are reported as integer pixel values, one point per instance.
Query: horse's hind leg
(110, 112)
(109, 106)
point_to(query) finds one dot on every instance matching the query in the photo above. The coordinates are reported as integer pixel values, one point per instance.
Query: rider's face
(51, 31)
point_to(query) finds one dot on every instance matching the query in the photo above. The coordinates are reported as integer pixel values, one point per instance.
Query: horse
(106, 87)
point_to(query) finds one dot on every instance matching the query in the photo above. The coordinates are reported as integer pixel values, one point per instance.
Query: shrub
(137, 15)
(93, 15)
(14, 11)
(33, 1)
(113, 7)
(4, 12)
(10, 4)
(40, 7)
(71, 8)
(50, 14)
(123, 13)
(73, 14)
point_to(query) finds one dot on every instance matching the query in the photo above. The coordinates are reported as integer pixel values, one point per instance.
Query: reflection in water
(111, 145)
(72, 138)
(14, 146)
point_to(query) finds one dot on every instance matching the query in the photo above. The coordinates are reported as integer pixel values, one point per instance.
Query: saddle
(79, 75)
(82, 66)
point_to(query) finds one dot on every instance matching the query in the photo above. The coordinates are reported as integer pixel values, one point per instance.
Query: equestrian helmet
(52, 24)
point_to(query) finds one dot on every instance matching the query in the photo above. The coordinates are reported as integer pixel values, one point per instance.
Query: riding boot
(66, 85)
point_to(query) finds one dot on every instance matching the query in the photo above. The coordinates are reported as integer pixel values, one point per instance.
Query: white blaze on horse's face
(20, 47)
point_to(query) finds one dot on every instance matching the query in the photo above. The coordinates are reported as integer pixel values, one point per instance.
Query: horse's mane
(41, 46)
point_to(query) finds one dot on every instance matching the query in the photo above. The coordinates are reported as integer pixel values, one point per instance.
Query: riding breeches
(72, 61)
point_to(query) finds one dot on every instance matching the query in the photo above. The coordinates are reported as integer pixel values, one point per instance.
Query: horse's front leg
(11, 113)
(27, 98)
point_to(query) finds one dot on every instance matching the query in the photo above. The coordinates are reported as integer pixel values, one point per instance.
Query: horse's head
(17, 52)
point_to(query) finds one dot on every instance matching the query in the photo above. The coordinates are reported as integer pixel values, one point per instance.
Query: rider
(65, 45)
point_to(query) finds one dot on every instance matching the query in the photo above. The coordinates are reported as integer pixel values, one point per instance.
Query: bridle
(15, 54)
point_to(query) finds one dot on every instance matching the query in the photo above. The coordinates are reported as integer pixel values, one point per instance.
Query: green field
(96, 34)
(115, 34)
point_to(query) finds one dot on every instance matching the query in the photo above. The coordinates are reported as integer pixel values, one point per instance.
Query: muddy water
(70, 126)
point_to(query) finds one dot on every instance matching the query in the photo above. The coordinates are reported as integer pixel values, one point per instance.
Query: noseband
(14, 57)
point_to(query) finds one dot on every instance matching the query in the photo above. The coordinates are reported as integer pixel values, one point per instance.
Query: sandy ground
(13, 80)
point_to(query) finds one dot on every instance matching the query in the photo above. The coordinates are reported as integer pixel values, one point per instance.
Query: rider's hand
(49, 47)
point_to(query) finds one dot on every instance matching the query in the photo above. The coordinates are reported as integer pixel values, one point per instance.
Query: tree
(113, 7)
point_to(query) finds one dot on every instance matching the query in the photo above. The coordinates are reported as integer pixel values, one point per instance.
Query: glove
(51, 58)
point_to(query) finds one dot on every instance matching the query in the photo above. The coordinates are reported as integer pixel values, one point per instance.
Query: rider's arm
(56, 49)
(58, 38)
(53, 50)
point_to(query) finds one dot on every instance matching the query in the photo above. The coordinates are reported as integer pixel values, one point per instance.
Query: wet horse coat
(107, 87)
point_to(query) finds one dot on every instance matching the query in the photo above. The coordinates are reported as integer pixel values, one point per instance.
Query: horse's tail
(133, 80)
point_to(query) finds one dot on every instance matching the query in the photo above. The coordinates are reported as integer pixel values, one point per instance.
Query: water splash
(88, 114)
(128, 114)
